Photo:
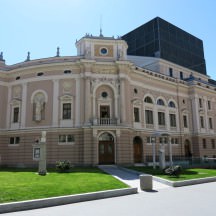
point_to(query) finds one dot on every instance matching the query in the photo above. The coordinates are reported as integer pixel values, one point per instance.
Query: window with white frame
(185, 121)
(200, 103)
(174, 141)
(136, 114)
(66, 139)
(149, 116)
(210, 123)
(172, 120)
(161, 118)
(209, 105)
(66, 111)
(202, 122)
(15, 114)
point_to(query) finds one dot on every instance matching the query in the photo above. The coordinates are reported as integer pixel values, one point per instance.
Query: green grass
(26, 184)
(186, 174)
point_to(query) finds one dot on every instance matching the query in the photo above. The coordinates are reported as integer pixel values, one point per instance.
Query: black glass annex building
(159, 38)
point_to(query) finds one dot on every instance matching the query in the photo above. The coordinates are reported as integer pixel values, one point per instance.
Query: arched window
(172, 104)
(106, 137)
(148, 100)
(160, 102)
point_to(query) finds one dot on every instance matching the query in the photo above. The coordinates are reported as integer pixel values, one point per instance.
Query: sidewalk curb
(186, 182)
(63, 200)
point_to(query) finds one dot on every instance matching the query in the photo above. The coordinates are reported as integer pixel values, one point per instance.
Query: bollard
(146, 182)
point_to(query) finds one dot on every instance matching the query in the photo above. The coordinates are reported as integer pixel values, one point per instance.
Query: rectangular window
(163, 140)
(161, 118)
(16, 114)
(149, 116)
(213, 143)
(66, 139)
(170, 72)
(209, 105)
(14, 140)
(202, 122)
(185, 121)
(204, 143)
(136, 114)
(149, 140)
(174, 140)
(66, 114)
(172, 120)
(181, 75)
(200, 103)
(210, 123)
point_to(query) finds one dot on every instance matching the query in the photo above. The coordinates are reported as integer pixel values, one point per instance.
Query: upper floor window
(66, 113)
(170, 72)
(148, 100)
(161, 118)
(149, 116)
(185, 121)
(172, 120)
(210, 123)
(136, 114)
(160, 102)
(16, 114)
(202, 122)
(181, 75)
(200, 103)
(172, 104)
(209, 105)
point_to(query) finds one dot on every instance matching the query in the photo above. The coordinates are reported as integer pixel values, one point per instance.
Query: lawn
(186, 174)
(26, 184)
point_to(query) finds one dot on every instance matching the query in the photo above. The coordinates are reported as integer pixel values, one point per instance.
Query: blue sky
(39, 26)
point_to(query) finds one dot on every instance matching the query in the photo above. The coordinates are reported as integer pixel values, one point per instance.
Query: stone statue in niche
(39, 102)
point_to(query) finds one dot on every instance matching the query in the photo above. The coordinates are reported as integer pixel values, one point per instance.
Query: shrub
(63, 166)
(173, 171)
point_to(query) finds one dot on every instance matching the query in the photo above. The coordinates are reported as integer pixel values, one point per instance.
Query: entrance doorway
(138, 149)
(106, 149)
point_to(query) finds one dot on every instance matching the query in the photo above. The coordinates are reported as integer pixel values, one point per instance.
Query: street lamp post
(153, 141)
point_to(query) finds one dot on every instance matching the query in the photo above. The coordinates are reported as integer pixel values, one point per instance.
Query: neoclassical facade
(104, 107)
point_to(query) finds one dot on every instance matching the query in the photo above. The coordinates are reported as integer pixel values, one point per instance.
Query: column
(55, 114)
(206, 119)
(195, 114)
(155, 116)
(8, 107)
(77, 103)
(23, 108)
(87, 100)
(122, 100)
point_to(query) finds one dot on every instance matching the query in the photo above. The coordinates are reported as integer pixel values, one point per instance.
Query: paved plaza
(195, 200)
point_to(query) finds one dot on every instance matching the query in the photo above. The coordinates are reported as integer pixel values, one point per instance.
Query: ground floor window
(14, 140)
(66, 139)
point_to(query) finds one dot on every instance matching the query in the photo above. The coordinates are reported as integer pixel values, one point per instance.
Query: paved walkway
(129, 178)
